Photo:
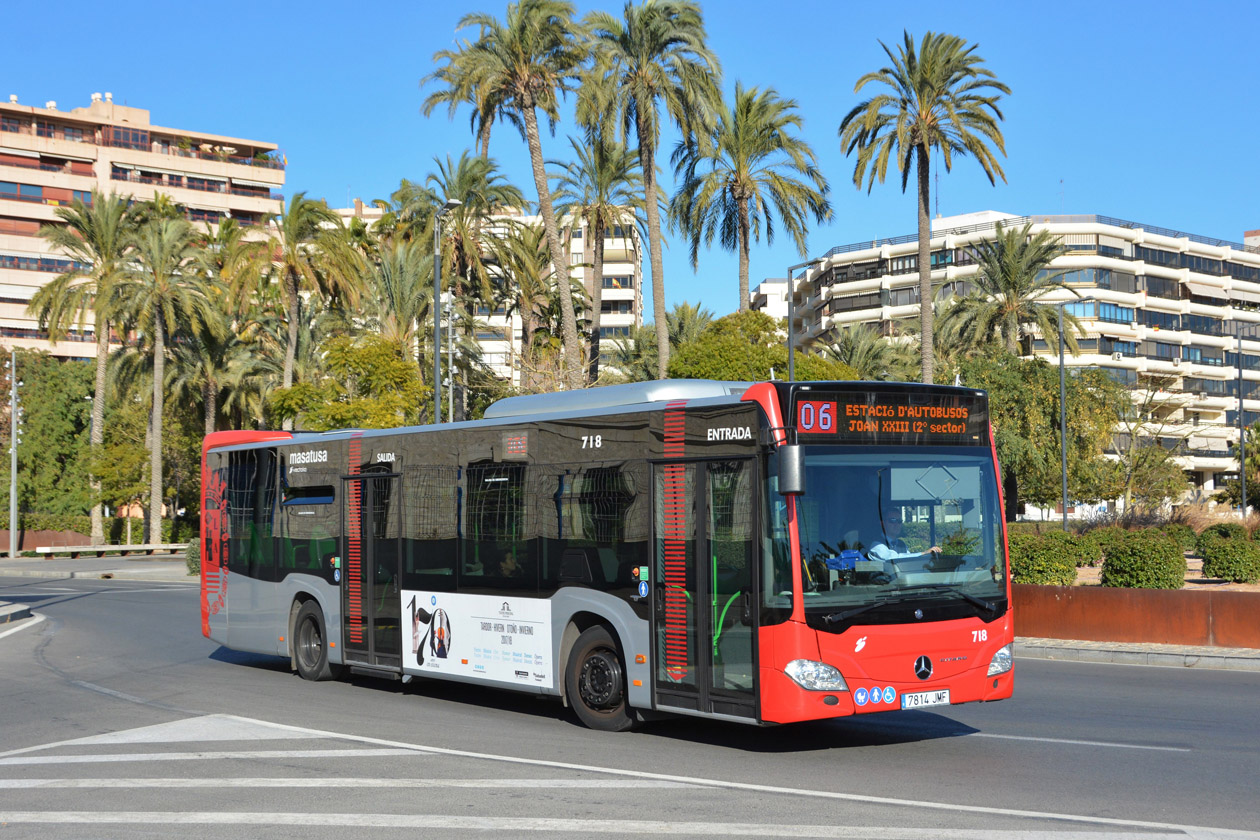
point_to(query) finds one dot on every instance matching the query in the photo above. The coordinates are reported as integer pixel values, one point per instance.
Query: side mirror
(791, 470)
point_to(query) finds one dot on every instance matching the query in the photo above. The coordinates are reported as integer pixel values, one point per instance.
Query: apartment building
(1165, 312)
(499, 332)
(49, 157)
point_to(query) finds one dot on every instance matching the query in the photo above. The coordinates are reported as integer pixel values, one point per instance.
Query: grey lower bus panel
(632, 631)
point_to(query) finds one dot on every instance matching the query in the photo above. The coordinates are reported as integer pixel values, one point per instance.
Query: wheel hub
(600, 682)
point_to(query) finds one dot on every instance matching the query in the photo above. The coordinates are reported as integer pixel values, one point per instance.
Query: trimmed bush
(1237, 561)
(192, 556)
(1026, 528)
(1036, 559)
(1083, 548)
(1108, 539)
(1145, 560)
(1228, 530)
(1181, 533)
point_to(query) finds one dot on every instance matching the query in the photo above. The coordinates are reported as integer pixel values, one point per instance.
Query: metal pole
(13, 444)
(437, 316)
(1242, 432)
(1062, 415)
(791, 289)
(450, 357)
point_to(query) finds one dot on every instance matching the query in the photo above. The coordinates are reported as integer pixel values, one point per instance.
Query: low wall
(1112, 614)
(27, 540)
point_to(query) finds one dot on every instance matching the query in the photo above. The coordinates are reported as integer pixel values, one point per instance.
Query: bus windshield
(886, 526)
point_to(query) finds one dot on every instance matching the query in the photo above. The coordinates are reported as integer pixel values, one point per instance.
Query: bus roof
(611, 396)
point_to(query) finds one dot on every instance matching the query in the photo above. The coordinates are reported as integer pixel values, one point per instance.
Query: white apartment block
(499, 334)
(49, 157)
(1165, 308)
(771, 297)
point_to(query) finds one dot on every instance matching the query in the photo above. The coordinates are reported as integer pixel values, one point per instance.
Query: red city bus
(758, 553)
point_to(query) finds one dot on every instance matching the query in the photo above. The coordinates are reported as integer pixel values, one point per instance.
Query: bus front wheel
(310, 643)
(595, 682)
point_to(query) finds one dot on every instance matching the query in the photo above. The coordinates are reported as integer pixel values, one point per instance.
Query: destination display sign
(891, 417)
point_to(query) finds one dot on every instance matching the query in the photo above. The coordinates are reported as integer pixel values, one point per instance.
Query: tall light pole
(14, 422)
(1239, 329)
(1058, 308)
(451, 203)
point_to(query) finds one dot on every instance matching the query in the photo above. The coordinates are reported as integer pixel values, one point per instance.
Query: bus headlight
(1001, 662)
(815, 676)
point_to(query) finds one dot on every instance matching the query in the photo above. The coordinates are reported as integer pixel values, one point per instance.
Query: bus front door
(371, 605)
(703, 581)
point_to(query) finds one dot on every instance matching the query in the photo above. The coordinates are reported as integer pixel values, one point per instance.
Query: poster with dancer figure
(499, 639)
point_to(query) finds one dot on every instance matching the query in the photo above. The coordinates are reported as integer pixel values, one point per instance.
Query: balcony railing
(59, 132)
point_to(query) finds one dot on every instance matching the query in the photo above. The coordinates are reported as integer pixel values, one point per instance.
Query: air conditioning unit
(1117, 356)
(1176, 361)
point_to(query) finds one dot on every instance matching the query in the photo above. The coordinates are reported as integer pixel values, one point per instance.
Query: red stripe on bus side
(674, 541)
(354, 547)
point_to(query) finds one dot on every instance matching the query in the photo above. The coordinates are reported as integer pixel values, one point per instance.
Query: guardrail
(50, 551)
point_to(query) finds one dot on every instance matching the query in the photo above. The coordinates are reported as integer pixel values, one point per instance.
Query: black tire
(310, 644)
(595, 682)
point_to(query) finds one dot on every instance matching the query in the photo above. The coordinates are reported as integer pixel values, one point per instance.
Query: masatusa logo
(311, 456)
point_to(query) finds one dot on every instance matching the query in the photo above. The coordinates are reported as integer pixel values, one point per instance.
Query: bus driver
(888, 546)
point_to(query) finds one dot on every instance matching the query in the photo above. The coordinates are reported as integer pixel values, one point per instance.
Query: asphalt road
(117, 719)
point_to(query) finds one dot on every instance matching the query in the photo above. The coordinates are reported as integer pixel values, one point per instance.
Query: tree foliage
(748, 346)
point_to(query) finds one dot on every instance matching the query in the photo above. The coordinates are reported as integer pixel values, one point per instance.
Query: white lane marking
(511, 784)
(202, 756)
(513, 825)
(35, 618)
(1198, 831)
(1078, 743)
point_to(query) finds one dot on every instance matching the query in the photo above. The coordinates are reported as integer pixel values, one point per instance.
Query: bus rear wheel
(595, 682)
(310, 643)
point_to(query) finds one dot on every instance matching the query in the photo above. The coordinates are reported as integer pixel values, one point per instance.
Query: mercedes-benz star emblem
(923, 667)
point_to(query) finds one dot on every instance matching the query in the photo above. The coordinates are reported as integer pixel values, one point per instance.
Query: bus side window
(431, 496)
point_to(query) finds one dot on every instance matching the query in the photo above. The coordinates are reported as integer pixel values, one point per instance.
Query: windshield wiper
(987, 606)
(835, 618)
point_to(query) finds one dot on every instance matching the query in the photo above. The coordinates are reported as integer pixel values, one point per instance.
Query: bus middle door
(371, 603)
(703, 580)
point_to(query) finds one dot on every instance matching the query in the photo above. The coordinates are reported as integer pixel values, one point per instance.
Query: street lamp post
(1058, 307)
(451, 203)
(14, 422)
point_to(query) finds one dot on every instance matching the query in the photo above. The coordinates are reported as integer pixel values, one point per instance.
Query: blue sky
(1147, 111)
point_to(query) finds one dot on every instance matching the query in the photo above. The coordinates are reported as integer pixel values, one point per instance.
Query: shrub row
(1147, 559)
(1229, 559)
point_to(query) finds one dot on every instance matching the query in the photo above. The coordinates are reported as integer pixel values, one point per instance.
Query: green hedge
(1237, 561)
(1035, 559)
(1182, 533)
(1228, 530)
(1083, 548)
(192, 556)
(1109, 539)
(1145, 560)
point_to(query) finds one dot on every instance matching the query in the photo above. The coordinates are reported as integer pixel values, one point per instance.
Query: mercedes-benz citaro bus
(757, 553)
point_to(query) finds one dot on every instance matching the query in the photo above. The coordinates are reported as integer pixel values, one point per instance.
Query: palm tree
(686, 322)
(942, 97)
(744, 168)
(524, 260)
(96, 236)
(634, 357)
(1014, 276)
(602, 187)
(657, 56)
(521, 63)
(310, 253)
(871, 356)
(463, 87)
(159, 295)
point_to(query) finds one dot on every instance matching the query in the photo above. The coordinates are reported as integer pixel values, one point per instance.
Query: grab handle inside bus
(791, 470)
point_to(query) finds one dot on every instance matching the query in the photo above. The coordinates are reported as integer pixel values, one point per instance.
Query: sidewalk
(171, 569)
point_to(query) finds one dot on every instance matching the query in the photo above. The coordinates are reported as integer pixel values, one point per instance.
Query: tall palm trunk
(927, 347)
(647, 155)
(209, 397)
(97, 437)
(294, 302)
(597, 295)
(744, 235)
(568, 320)
(155, 423)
